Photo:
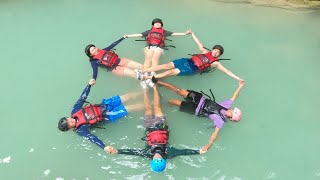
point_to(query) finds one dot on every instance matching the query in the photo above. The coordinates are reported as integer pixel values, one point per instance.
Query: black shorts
(193, 96)
(191, 102)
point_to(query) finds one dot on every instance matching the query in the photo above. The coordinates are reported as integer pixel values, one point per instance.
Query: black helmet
(87, 50)
(157, 20)
(218, 47)
(62, 125)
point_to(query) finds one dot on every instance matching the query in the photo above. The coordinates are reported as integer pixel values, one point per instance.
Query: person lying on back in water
(157, 136)
(155, 39)
(107, 58)
(197, 104)
(197, 63)
(83, 117)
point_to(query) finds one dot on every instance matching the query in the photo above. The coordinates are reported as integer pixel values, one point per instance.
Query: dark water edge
(282, 4)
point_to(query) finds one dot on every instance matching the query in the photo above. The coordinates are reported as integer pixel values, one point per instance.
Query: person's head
(157, 23)
(66, 123)
(158, 164)
(217, 51)
(91, 50)
(234, 114)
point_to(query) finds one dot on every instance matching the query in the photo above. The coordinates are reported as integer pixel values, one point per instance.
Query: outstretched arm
(237, 92)
(133, 35)
(218, 65)
(173, 152)
(133, 152)
(85, 133)
(212, 139)
(83, 97)
(94, 65)
(181, 34)
(114, 44)
(199, 44)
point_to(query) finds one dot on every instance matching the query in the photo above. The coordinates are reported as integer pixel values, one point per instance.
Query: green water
(44, 70)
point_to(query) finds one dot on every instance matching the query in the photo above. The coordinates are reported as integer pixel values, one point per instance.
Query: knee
(168, 65)
(173, 72)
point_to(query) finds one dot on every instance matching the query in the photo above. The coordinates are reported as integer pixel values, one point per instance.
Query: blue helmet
(158, 165)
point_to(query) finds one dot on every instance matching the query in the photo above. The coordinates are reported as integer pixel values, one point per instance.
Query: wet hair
(157, 20)
(87, 50)
(218, 47)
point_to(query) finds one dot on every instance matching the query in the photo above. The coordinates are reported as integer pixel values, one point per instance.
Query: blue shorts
(186, 66)
(115, 109)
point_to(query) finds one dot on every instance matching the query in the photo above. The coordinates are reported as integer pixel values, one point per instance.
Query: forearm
(181, 152)
(94, 66)
(114, 44)
(225, 70)
(134, 35)
(212, 139)
(84, 132)
(236, 93)
(133, 152)
(232, 75)
(85, 93)
(197, 41)
(178, 34)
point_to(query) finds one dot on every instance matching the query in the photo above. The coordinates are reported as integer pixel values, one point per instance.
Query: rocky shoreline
(285, 4)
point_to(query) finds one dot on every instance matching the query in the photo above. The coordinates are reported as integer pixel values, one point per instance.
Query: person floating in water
(84, 117)
(155, 39)
(197, 63)
(109, 59)
(157, 136)
(196, 103)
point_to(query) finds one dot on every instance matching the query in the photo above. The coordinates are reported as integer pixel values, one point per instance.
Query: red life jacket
(106, 58)
(157, 137)
(156, 37)
(90, 114)
(203, 61)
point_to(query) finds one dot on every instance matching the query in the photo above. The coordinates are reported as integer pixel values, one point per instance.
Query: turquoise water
(44, 70)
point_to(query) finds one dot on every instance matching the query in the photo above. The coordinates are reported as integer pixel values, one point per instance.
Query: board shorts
(186, 66)
(152, 121)
(114, 109)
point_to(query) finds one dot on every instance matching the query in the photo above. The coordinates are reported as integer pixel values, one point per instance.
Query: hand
(188, 32)
(111, 150)
(205, 149)
(92, 82)
(241, 84)
(240, 80)
(125, 36)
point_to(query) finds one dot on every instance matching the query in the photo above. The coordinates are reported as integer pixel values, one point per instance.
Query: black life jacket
(211, 107)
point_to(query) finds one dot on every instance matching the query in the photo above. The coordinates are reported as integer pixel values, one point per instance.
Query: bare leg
(124, 98)
(171, 87)
(175, 102)
(148, 53)
(130, 63)
(124, 71)
(156, 99)
(168, 65)
(146, 102)
(156, 57)
(135, 107)
(171, 72)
